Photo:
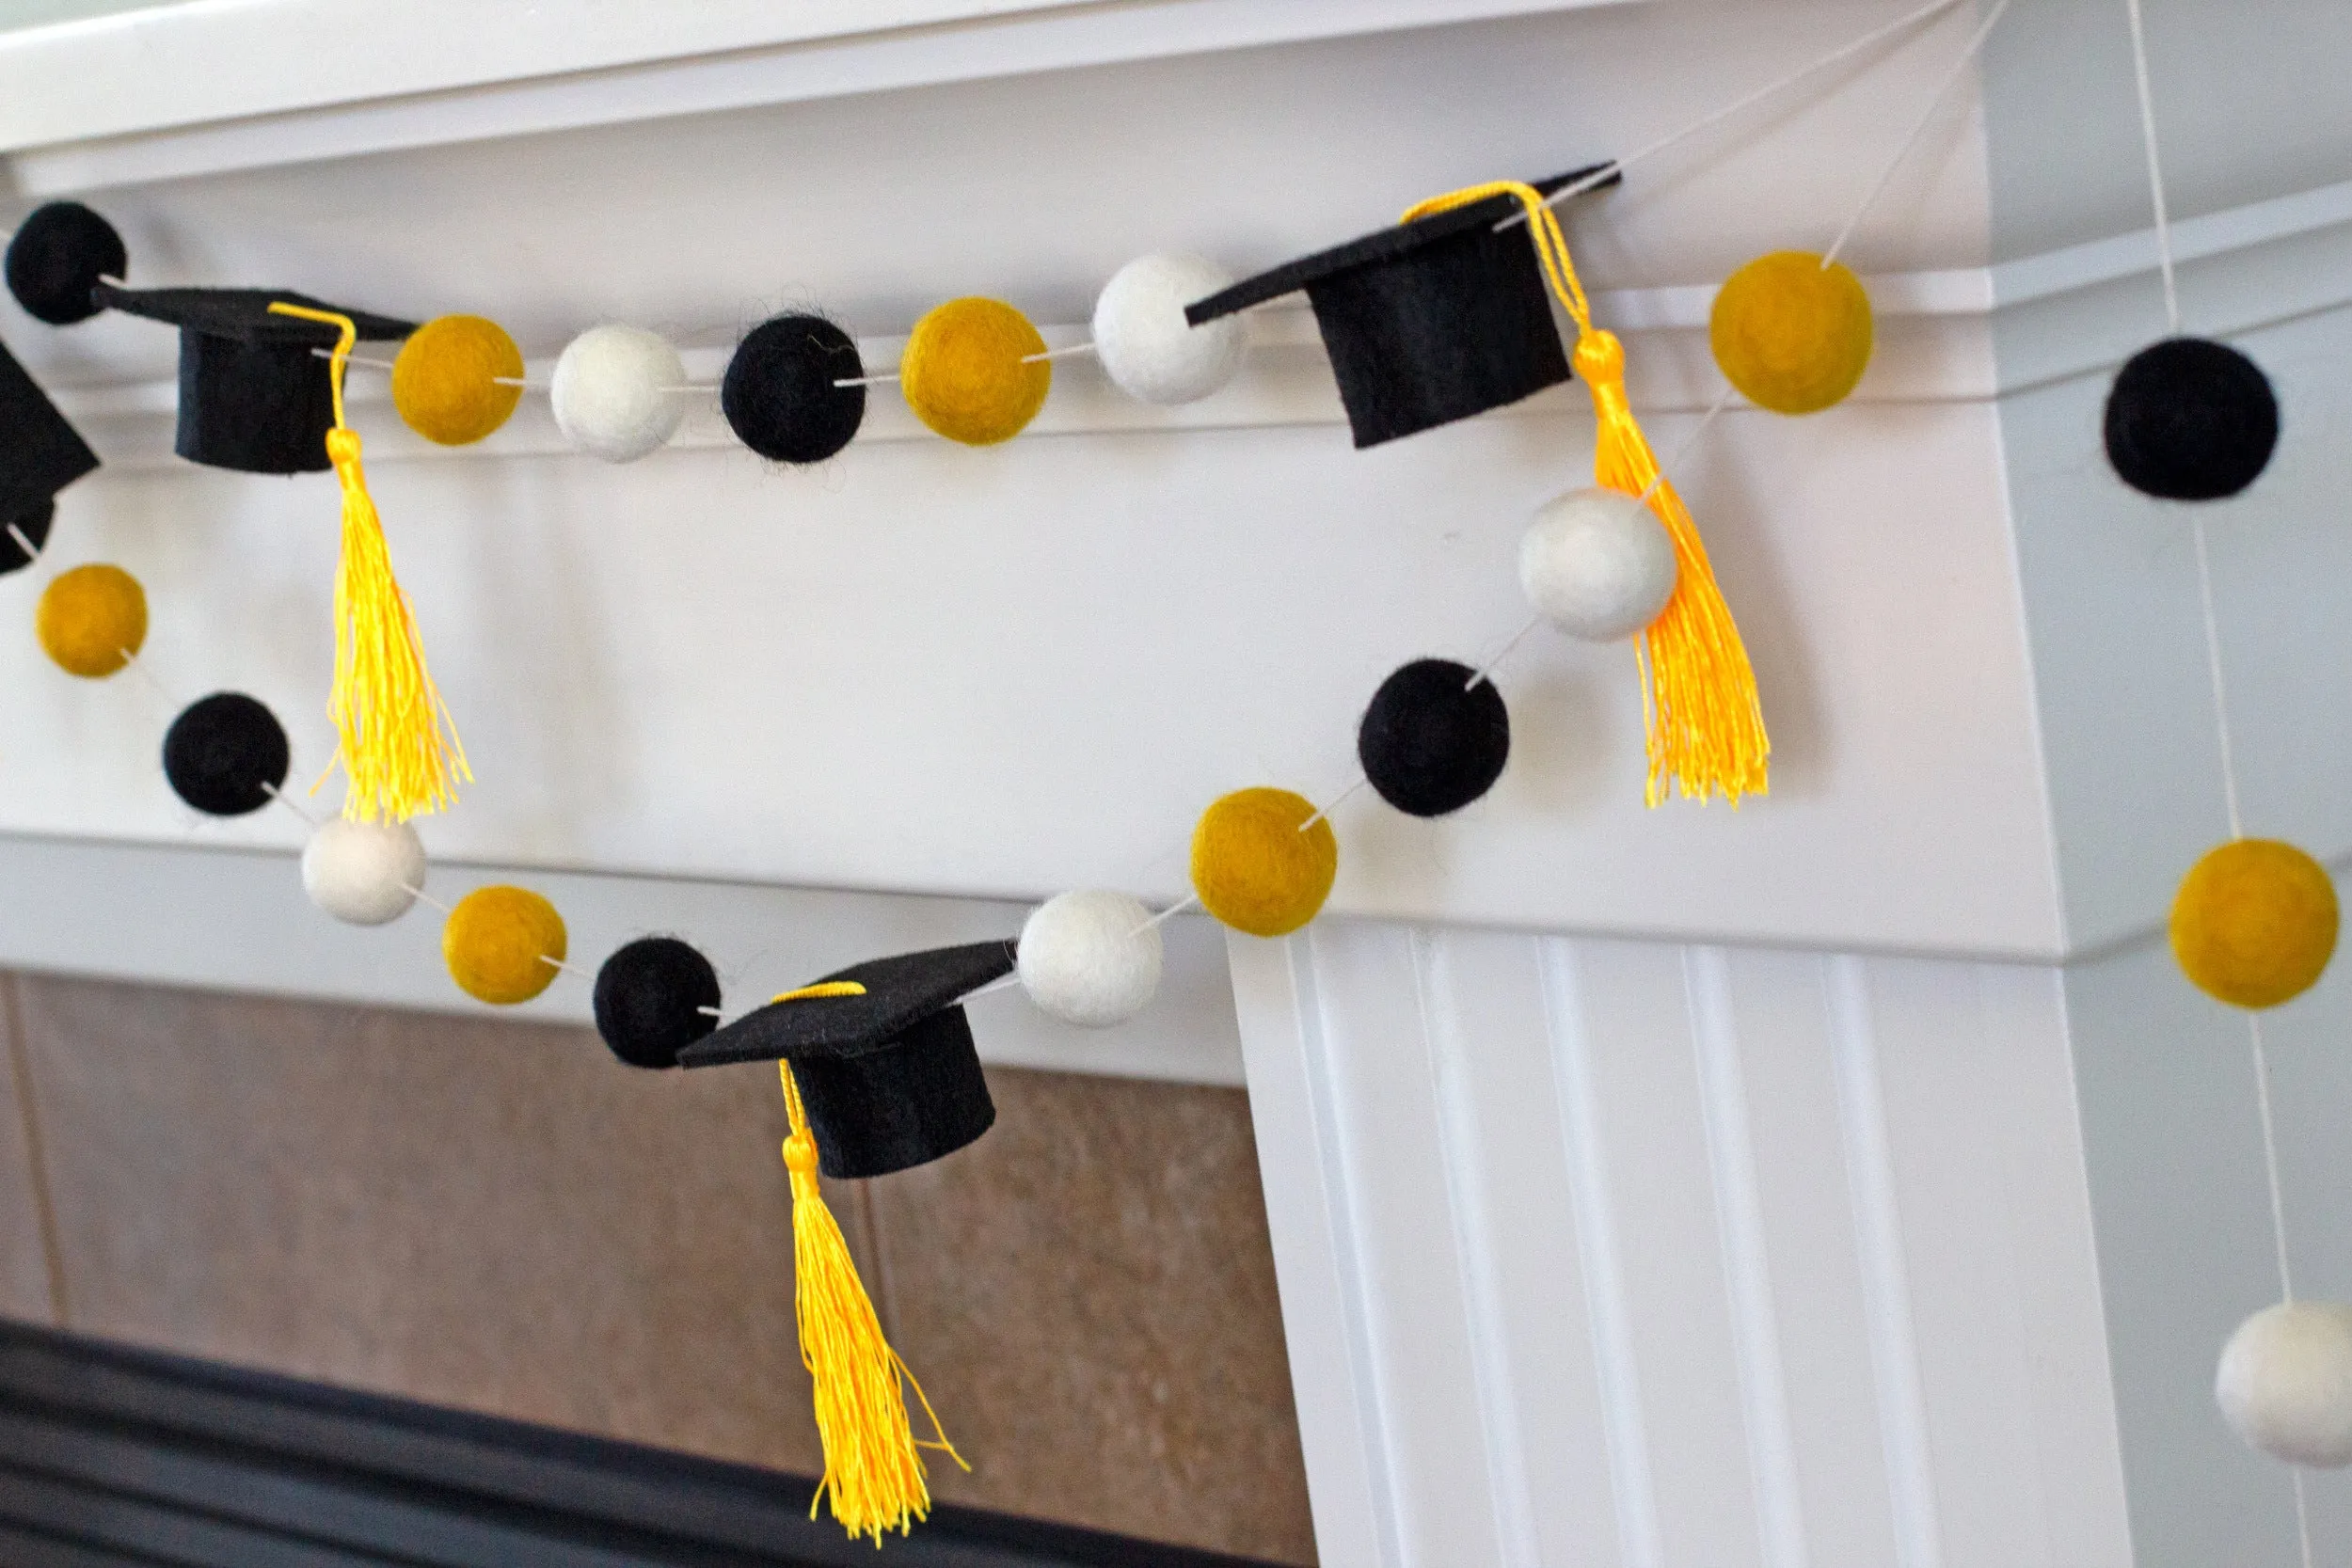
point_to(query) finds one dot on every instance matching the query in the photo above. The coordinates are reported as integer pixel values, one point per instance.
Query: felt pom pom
(964, 374)
(2254, 923)
(59, 254)
(33, 526)
(779, 395)
(1598, 564)
(650, 997)
(92, 620)
(225, 755)
(1256, 864)
(611, 394)
(1089, 958)
(446, 379)
(1148, 348)
(1792, 334)
(2190, 419)
(2285, 1382)
(1431, 742)
(502, 944)
(363, 873)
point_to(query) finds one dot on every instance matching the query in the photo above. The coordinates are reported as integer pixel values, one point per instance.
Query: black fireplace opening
(119, 1458)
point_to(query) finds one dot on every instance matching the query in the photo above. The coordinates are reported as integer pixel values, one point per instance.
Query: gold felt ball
(445, 380)
(498, 942)
(92, 620)
(2254, 923)
(1253, 867)
(962, 372)
(1792, 334)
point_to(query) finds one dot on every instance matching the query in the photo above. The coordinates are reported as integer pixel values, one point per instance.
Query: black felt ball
(650, 997)
(59, 254)
(224, 755)
(1431, 742)
(779, 394)
(33, 526)
(2190, 419)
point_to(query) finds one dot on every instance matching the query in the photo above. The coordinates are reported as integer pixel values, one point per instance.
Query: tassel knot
(1599, 359)
(343, 447)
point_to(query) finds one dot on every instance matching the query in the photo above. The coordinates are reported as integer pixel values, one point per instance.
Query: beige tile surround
(497, 1215)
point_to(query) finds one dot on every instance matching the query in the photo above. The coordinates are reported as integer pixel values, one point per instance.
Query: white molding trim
(135, 97)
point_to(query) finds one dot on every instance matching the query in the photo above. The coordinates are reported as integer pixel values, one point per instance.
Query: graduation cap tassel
(398, 745)
(1698, 689)
(873, 1472)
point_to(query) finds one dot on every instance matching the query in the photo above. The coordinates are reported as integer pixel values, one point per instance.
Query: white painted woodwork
(1844, 1181)
(1613, 1253)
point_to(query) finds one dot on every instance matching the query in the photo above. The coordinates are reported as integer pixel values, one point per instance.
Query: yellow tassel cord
(397, 742)
(873, 1472)
(1698, 691)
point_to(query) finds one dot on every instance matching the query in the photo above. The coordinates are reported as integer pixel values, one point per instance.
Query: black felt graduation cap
(252, 395)
(1426, 321)
(888, 1074)
(39, 455)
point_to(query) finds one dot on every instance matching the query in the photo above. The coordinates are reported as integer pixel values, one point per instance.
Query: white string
(131, 662)
(1610, 171)
(874, 380)
(425, 898)
(2213, 672)
(2155, 167)
(1168, 913)
(1486, 670)
(2257, 1049)
(524, 381)
(32, 552)
(1935, 108)
(1335, 802)
(353, 360)
(288, 803)
(1057, 353)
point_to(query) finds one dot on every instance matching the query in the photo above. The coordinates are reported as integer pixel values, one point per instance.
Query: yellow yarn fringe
(397, 742)
(1698, 691)
(873, 1473)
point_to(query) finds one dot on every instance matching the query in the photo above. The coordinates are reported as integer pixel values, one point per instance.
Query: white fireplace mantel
(1842, 1182)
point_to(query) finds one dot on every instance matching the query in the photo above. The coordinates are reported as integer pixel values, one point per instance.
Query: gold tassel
(397, 742)
(873, 1473)
(1705, 720)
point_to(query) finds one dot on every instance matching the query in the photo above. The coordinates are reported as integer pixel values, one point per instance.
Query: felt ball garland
(2254, 923)
(1148, 348)
(1791, 332)
(654, 998)
(782, 395)
(225, 755)
(1264, 861)
(1090, 959)
(56, 258)
(971, 372)
(503, 945)
(1435, 738)
(2190, 419)
(457, 379)
(615, 392)
(92, 620)
(363, 873)
(2285, 1383)
(1598, 564)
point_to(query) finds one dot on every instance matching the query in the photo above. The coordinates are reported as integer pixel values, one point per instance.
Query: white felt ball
(1090, 957)
(1598, 564)
(1146, 345)
(612, 392)
(2285, 1382)
(361, 871)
